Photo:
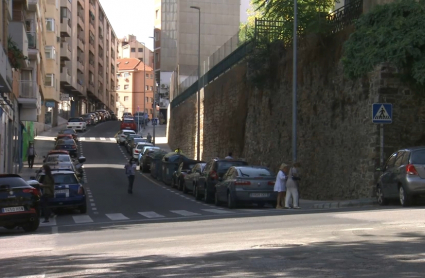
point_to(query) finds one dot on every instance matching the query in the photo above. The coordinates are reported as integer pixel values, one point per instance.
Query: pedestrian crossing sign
(382, 113)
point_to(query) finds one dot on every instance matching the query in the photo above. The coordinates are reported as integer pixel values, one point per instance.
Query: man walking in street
(149, 137)
(229, 156)
(130, 171)
(31, 155)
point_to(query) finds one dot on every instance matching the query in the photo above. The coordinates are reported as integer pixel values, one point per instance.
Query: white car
(139, 148)
(78, 124)
(121, 136)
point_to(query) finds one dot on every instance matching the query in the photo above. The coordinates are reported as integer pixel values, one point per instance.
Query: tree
(393, 33)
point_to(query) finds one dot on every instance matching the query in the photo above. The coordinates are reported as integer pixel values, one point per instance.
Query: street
(161, 232)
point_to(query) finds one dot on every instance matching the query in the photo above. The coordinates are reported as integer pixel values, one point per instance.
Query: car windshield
(58, 158)
(66, 142)
(12, 182)
(62, 178)
(68, 131)
(141, 146)
(223, 166)
(128, 121)
(254, 172)
(74, 120)
(418, 157)
(128, 132)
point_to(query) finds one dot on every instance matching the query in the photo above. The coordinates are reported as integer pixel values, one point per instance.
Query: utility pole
(294, 85)
(144, 85)
(154, 90)
(198, 147)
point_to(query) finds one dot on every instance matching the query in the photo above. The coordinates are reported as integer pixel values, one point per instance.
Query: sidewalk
(160, 135)
(337, 204)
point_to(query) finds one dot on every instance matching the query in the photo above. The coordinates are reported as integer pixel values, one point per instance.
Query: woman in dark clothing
(48, 191)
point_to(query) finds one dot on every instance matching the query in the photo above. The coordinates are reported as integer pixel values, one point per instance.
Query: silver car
(403, 176)
(246, 184)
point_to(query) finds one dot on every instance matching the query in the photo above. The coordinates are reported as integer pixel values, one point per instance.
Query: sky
(136, 17)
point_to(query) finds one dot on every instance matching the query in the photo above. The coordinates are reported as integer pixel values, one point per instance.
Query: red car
(128, 123)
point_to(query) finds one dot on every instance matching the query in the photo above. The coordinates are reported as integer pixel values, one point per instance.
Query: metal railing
(4, 60)
(27, 89)
(345, 16)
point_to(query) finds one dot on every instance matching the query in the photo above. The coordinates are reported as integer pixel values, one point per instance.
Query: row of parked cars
(133, 142)
(92, 118)
(20, 199)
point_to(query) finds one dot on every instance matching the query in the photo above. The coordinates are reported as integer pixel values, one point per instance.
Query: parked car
(19, 203)
(88, 118)
(57, 157)
(68, 145)
(95, 119)
(192, 176)
(56, 152)
(246, 184)
(121, 135)
(69, 193)
(126, 115)
(104, 113)
(180, 174)
(138, 149)
(113, 116)
(132, 143)
(128, 123)
(146, 159)
(403, 177)
(69, 131)
(77, 124)
(128, 140)
(209, 177)
(63, 136)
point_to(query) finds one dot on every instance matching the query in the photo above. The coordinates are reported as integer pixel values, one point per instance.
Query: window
(156, 36)
(140, 49)
(50, 52)
(147, 75)
(50, 24)
(156, 14)
(152, 99)
(151, 111)
(125, 98)
(141, 59)
(147, 99)
(126, 74)
(151, 88)
(147, 88)
(133, 49)
(49, 81)
(125, 87)
(118, 87)
(156, 58)
(390, 161)
(151, 76)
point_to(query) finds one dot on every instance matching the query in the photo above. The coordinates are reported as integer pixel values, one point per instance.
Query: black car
(213, 171)
(146, 159)
(191, 178)
(88, 118)
(19, 203)
(68, 145)
(70, 131)
(185, 167)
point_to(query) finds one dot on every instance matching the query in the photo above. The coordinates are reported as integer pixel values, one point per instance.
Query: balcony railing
(27, 89)
(32, 40)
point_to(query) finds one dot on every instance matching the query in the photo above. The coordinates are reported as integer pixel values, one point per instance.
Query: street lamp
(144, 85)
(294, 85)
(198, 147)
(154, 97)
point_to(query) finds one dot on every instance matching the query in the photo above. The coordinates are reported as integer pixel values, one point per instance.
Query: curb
(345, 204)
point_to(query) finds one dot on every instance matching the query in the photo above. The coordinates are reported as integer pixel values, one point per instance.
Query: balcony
(91, 48)
(65, 51)
(66, 3)
(80, 65)
(5, 72)
(65, 77)
(81, 19)
(28, 93)
(32, 5)
(66, 27)
(32, 45)
(81, 44)
(100, 60)
(18, 34)
(91, 62)
(100, 77)
(90, 88)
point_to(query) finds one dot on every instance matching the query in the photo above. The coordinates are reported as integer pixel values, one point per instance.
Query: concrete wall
(338, 144)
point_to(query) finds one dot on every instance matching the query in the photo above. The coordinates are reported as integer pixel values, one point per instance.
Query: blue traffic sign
(382, 113)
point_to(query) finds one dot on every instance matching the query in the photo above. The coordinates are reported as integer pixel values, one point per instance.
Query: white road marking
(217, 211)
(93, 204)
(102, 138)
(357, 229)
(82, 219)
(150, 214)
(92, 138)
(116, 216)
(82, 138)
(184, 212)
(93, 208)
(95, 212)
(91, 200)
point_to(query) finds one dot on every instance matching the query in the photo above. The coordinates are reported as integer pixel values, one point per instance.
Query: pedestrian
(31, 155)
(178, 151)
(280, 184)
(229, 156)
(149, 137)
(292, 186)
(48, 186)
(130, 171)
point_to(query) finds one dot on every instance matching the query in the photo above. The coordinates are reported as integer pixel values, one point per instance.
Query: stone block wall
(338, 145)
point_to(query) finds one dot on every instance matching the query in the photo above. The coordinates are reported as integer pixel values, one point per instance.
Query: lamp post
(198, 147)
(155, 88)
(144, 85)
(294, 85)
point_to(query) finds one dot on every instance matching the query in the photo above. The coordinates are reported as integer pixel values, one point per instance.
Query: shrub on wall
(393, 33)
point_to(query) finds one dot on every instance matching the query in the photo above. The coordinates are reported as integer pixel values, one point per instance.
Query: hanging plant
(15, 55)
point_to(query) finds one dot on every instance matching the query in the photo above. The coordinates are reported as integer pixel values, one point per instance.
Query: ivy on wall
(392, 33)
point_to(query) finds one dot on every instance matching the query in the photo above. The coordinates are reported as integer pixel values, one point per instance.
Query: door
(203, 177)
(388, 178)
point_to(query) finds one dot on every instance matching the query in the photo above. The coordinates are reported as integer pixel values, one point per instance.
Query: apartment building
(135, 87)
(88, 51)
(130, 47)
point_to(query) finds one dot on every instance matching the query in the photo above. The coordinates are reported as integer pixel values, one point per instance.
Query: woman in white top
(292, 186)
(280, 184)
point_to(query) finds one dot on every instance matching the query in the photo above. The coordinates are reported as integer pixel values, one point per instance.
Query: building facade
(135, 87)
(130, 47)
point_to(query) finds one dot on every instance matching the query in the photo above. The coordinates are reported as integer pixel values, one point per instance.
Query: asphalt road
(159, 232)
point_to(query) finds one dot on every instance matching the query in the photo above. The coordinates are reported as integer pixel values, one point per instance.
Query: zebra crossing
(144, 215)
(98, 139)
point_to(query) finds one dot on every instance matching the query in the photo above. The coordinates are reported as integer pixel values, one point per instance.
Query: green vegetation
(392, 33)
(15, 55)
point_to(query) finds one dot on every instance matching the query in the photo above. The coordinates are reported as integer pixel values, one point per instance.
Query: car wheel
(9, 227)
(32, 225)
(207, 198)
(184, 187)
(405, 199)
(83, 209)
(382, 201)
(231, 203)
(197, 195)
(216, 200)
